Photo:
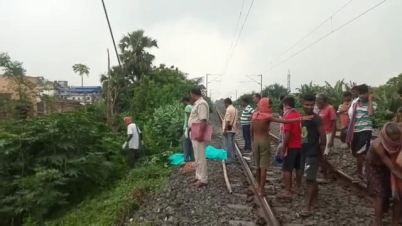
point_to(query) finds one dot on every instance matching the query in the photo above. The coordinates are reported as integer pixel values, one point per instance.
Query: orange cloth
(344, 115)
(264, 110)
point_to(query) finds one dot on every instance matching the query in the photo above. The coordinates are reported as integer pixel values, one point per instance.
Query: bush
(52, 161)
(164, 129)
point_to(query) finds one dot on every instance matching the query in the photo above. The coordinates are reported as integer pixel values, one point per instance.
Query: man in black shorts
(360, 129)
(291, 147)
(313, 146)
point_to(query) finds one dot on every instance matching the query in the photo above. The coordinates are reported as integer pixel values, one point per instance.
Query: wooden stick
(225, 174)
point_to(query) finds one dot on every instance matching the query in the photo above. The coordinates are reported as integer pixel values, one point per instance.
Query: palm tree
(134, 55)
(82, 70)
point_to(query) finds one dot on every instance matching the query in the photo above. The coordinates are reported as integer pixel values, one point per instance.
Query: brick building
(38, 92)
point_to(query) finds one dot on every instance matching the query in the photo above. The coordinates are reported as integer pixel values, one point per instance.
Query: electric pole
(206, 85)
(111, 32)
(259, 83)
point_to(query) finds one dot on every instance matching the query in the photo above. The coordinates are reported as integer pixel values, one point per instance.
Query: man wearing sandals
(360, 127)
(200, 115)
(313, 145)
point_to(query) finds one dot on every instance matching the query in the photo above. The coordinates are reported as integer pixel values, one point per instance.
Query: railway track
(263, 207)
(341, 202)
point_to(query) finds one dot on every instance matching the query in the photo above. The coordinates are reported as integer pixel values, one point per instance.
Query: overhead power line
(315, 29)
(325, 36)
(234, 46)
(238, 37)
(234, 34)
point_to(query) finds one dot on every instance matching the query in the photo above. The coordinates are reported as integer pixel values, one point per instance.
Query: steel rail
(333, 169)
(339, 172)
(266, 210)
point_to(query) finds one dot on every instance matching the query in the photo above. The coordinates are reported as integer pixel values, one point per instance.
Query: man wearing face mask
(360, 127)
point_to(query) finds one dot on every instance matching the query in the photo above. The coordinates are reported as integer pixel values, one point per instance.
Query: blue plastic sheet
(176, 159)
(210, 152)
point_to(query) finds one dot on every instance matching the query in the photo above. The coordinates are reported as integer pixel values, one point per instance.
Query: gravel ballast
(181, 204)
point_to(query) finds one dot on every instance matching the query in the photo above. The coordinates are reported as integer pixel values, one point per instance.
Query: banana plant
(309, 88)
(335, 93)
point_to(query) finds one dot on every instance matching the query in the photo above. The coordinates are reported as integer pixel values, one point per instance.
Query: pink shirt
(327, 115)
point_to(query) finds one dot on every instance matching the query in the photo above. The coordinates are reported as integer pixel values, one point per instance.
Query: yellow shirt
(231, 117)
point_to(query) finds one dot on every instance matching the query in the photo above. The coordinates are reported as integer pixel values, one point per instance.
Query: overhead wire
(234, 47)
(315, 29)
(325, 36)
(238, 37)
(233, 38)
(235, 31)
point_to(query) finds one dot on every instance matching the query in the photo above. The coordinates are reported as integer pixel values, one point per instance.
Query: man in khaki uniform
(199, 115)
(229, 126)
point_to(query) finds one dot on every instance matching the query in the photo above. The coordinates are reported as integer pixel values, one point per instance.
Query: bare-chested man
(383, 172)
(260, 126)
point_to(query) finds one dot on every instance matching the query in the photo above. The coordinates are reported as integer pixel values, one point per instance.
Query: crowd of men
(306, 138)
(305, 143)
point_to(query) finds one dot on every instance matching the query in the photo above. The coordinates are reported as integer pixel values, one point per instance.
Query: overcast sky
(49, 36)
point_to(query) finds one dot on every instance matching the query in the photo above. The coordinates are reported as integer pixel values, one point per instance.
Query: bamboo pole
(225, 174)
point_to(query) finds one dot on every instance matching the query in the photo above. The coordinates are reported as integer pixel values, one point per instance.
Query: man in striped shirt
(245, 123)
(361, 115)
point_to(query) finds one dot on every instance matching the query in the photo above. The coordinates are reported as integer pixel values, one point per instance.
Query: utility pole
(261, 83)
(111, 32)
(288, 81)
(207, 81)
(206, 85)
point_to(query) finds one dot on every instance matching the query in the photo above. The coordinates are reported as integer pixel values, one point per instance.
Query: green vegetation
(19, 85)
(386, 96)
(68, 168)
(50, 162)
(113, 206)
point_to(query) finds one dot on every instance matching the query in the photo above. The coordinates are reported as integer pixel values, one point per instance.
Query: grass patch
(112, 206)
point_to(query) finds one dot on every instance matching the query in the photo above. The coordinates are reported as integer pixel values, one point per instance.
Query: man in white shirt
(133, 140)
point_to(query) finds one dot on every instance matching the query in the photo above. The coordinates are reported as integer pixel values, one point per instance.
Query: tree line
(387, 96)
(51, 163)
